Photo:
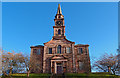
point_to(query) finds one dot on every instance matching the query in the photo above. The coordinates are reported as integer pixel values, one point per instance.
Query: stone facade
(36, 57)
(60, 55)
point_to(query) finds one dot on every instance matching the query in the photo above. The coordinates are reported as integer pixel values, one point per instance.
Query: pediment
(58, 57)
(52, 41)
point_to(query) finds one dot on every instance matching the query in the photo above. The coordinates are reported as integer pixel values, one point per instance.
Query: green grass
(30, 76)
(91, 75)
(67, 75)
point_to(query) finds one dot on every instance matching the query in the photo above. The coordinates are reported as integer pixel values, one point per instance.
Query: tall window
(80, 65)
(50, 50)
(80, 50)
(59, 49)
(59, 31)
(68, 50)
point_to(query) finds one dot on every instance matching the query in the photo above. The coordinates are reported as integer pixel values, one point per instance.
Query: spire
(59, 9)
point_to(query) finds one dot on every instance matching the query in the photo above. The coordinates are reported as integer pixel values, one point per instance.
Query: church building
(59, 55)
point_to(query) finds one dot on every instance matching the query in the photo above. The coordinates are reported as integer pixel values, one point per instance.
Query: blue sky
(31, 23)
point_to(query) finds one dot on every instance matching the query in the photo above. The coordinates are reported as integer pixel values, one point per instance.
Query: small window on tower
(59, 16)
(59, 31)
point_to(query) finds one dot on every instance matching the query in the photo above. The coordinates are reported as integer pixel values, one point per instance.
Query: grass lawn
(90, 75)
(67, 75)
(30, 76)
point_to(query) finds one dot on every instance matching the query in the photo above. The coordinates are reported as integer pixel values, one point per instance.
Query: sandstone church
(59, 55)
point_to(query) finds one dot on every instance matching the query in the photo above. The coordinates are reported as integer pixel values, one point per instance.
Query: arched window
(59, 31)
(59, 49)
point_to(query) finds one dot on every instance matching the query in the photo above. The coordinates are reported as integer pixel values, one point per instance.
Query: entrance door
(59, 68)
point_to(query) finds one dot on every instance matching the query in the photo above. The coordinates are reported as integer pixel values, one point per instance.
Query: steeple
(59, 28)
(59, 9)
(59, 13)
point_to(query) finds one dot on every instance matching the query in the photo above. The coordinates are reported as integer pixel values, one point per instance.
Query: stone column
(51, 66)
(64, 50)
(44, 59)
(55, 49)
(55, 68)
(74, 69)
(62, 66)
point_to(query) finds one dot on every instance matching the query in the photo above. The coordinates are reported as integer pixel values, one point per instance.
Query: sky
(26, 24)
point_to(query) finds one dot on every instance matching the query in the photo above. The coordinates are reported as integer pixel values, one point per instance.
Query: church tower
(59, 28)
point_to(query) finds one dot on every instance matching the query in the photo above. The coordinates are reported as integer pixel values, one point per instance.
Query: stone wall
(37, 59)
(83, 58)
(73, 58)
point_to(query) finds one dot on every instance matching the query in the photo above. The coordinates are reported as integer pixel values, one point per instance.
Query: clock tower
(59, 28)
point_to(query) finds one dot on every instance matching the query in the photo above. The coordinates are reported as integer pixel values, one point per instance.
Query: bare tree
(31, 64)
(11, 60)
(18, 61)
(107, 63)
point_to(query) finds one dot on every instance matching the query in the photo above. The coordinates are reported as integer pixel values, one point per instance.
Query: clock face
(58, 23)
